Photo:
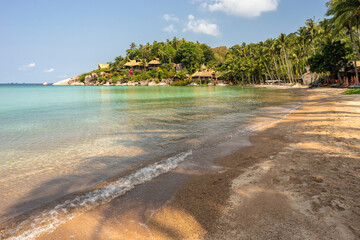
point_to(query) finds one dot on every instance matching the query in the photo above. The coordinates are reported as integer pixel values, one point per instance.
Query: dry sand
(300, 179)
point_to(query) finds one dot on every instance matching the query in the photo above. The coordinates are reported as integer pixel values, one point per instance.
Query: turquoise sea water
(55, 140)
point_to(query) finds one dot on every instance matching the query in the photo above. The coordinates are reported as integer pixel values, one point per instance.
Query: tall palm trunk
(355, 49)
(267, 69)
(276, 67)
(287, 65)
(284, 68)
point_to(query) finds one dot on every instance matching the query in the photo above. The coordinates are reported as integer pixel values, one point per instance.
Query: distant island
(319, 53)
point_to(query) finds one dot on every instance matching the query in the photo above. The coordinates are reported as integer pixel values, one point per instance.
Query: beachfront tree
(188, 54)
(311, 25)
(331, 60)
(345, 14)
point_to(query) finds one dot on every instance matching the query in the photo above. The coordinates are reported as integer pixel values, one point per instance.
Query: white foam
(49, 220)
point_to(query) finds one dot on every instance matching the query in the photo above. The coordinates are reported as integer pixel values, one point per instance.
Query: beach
(299, 179)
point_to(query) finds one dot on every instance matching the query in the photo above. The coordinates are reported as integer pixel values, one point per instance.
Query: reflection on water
(57, 140)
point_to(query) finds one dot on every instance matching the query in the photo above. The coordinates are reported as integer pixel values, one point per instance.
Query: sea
(67, 149)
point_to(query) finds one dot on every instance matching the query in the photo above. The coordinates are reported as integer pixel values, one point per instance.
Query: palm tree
(283, 40)
(345, 15)
(311, 24)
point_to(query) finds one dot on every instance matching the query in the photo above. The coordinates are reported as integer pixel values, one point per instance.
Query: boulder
(193, 84)
(91, 79)
(152, 83)
(77, 84)
(144, 83)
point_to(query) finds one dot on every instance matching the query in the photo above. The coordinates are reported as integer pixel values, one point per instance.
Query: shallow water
(56, 140)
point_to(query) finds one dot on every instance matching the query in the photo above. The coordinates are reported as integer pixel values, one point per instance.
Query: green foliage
(181, 75)
(153, 73)
(102, 79)
(180, 83)
(189, 54)
(352, 91)
(115, 78)
(160, 74)
(146, 76)
(82, 77)
(317, 63)
(331, 60)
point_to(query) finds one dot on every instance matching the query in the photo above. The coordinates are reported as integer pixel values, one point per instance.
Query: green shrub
(352, 91)
(181, 75)
(153, 73)
(180, 83)
(102, 79)
(82, 77)
(146, 76)
(160, 74)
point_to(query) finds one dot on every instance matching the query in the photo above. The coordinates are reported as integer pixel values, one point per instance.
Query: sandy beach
(299, 179)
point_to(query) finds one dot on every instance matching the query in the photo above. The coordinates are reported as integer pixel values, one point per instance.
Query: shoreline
(257, 186)
(281, 187)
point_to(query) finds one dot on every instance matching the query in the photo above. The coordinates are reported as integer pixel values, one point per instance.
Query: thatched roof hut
(200, 74)
(102, 66)
(132, 64)
(204, 73)
(155, 62)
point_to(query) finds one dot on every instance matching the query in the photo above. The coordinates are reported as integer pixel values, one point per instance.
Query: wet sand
(300, 179)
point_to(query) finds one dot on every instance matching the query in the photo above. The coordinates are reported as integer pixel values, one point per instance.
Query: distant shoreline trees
(328, 47)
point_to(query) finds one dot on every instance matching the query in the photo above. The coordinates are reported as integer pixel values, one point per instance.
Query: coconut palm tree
(345, 15)
(311, 24)
(282, 39)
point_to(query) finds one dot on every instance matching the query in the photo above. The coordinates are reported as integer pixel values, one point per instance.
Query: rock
(144, 83)
(152, 83)
(193, 84)
(131, 83)
(77, 84)
(162, 84)
(102, 74)
(210, 84)
(68, 81)
(91, 79)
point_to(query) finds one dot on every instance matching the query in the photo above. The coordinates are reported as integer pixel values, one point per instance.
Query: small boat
(45, 84)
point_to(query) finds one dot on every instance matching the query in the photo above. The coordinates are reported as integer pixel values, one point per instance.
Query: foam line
(49, 220)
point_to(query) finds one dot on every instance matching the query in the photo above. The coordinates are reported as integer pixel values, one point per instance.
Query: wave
(48, 220)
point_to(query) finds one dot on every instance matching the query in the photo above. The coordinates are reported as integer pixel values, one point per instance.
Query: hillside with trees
(329, 48)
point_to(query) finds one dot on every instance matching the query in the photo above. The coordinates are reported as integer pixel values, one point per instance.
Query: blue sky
(51, 40)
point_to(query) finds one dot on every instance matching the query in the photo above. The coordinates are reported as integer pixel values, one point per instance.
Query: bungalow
(102, 66)
(204, 74)
(154, 64)
(132, 64)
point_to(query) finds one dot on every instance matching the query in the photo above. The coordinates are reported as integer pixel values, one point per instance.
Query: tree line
(328, 47)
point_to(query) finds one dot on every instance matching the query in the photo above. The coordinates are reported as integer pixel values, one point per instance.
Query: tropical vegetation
(328, 47)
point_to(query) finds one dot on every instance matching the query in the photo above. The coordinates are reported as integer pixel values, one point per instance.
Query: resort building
(132, 64)
(204, 74)
(154, 64)
(102, 66)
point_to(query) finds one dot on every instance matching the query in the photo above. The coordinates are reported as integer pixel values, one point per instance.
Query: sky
(51, 40)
